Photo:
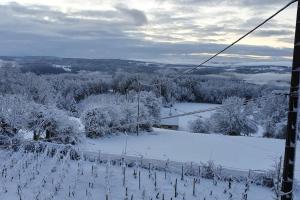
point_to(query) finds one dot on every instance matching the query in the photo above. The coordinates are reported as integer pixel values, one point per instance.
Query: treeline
(190, 88)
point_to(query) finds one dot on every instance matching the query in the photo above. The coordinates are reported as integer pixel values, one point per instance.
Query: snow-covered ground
(268, 78)
(241, 153)
(188, 107)
(261, 63)
(279, 79)
(41, 177)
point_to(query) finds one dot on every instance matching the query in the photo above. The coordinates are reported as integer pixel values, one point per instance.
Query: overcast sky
(173, 31)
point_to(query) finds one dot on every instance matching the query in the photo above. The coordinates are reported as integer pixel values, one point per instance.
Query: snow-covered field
(268, 78)
(279, 79)
(42, 177)
(240, 153)
(188, 107)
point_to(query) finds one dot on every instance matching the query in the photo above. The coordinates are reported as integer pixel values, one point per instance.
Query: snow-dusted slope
(230, 152)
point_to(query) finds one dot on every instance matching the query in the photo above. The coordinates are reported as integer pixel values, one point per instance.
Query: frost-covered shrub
(17, 112)
(199, 126)
(5, 140)
(110, 113)
(233, 118)
(97, 121)
(59, 127)
(275, 130)
(281, 130)
(6, 129)
(53, 125)
(109, 119)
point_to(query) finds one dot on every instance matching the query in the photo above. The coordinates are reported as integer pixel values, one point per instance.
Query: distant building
(172, 123)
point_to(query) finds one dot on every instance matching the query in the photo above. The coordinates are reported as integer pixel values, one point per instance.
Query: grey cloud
(30, 44)
(88, 24)
(115, 34)
(260, 2)
(136, 16)
(274, 32)
(122, 14)
(231, 2)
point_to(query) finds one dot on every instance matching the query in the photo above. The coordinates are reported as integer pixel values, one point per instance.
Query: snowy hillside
(241, 153)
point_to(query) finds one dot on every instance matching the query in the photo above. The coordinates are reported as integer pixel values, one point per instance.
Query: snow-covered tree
(14, 111)
(274, 130)
(149, 100)
(53, 125)
(60, 127)
(199, 126)
(273, 115)
(233, 118)
(38, 89)
(99, 120)
(112, 118)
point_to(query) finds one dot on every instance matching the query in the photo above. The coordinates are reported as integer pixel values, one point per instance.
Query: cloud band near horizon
(174, 31)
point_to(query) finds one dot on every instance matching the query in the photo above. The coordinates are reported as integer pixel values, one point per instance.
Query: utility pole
(291, 135)
(160, 87)
(138, 109)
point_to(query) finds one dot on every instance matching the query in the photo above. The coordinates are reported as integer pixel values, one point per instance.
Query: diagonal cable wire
(227, 47)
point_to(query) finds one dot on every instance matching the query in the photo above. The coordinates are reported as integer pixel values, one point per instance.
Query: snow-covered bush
(199, 126)
(233, 118)
(37, 122)
(274, 130)
(6, 129)
(109, 113)
(60, 127)
(107, 119)
(97, 121)
(53, 125)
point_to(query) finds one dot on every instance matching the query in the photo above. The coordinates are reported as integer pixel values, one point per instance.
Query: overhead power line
(229, 46)
(239, 39)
